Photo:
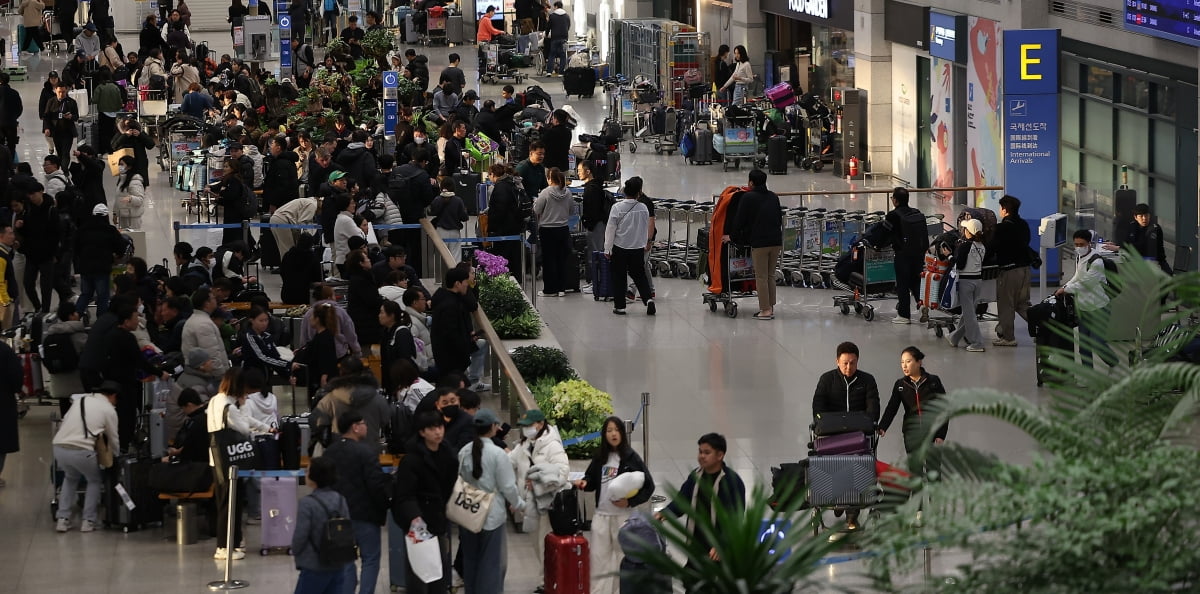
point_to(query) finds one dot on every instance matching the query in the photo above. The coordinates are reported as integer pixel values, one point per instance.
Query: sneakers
(650, 309)
(222, 554)
(87, 526)
(62, 525)
(481, 387)
(619, 312)
(951, 340)
(586, 290)
(974, 348)
(1004, 343)
(924, 315)
(901, 320)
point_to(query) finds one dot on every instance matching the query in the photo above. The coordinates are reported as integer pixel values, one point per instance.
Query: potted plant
(577, 408)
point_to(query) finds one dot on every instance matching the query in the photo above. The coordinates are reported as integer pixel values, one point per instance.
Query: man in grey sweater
(625, 240)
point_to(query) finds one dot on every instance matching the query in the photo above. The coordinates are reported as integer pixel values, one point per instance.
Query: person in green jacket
(109, 100)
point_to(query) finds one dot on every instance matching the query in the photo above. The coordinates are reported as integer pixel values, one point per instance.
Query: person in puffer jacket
(357, 160)
(552, 207)
(131, 204)
(542, 470)
(354, 389)
(847, 388)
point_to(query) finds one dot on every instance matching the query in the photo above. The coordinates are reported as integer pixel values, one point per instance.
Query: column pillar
(873, 72)
(748, 28)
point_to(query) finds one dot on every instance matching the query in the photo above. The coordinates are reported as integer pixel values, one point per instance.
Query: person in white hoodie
(261, 405)
(542, 471)
(132, 203)
(90, 416)
(416, 305)
(394, 288)
(224, 411)
(1089, 288)
(552, 207)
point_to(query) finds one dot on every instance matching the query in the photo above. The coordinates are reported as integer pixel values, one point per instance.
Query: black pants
(62, 147)
(908, 284)
(45, 268)
(628, 262)
(108, 129)
(8, 136)
(221, 495)
(31, 36)
(556, 253)
(63, 277)
(411, 240)
(511, 251)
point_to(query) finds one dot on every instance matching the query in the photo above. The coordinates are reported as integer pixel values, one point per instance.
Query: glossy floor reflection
(750, 380)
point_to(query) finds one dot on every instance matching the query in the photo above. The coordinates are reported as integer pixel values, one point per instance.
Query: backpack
(913, 235)
(159, 272)
(564, 514)
(1110, 272)
(337, 546)
(58, 353)
(402, 429)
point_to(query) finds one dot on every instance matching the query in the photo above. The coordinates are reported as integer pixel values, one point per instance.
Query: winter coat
(729, 491)
(87, 174)
(364, 302)
(185, 75)
(758, 222)
(451, 331)
(837, 393)
(448, 211)
(11, 106)
(31, 16)
(557, 139)
(55, 117)
(312, 513)
(97, 243)
(420, 332)
(630, 462)
(543, 462)
(280, 183)
(497, 477)
(11, 378)
(596, 204)
(39, 235)
(200, 333)
(131, 205)
(553, 206)
(299, 269)
(911, 394)
(358, 163)
(419, 194)
(505, 216)
(424, 482)
(359, 393)
(366, 487)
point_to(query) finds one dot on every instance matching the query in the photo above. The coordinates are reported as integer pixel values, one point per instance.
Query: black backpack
(913, 235)
(59, 354)
(1110, 272)
(402, 429)
(337, 546)
(565, 519)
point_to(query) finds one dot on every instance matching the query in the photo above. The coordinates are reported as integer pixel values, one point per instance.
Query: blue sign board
(285, 42)
(1031, 124)
(391, 104)
(944, 33)
(1177, 20)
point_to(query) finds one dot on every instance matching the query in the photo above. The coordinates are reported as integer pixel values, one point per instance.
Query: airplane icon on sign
(1017, 107)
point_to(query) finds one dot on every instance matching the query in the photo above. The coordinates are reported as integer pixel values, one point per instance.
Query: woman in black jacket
(397, 341)
(595, 208)
(914, 390)
(424, 481)
(256, 345)
(149, 37)
(320, 354)
(505, 215)
(614, 458)
(233, 198)
(364, 299)
(299, 269)
(557, 139)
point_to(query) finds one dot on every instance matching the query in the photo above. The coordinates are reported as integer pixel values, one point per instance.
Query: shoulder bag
(229, 447)
(469, 506)
(104, 453)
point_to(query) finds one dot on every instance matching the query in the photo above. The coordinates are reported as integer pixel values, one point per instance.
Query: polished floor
(749, 380)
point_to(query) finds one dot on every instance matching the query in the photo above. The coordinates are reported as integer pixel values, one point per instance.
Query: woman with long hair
(319, 356)
(364, 298)
(742, 75)
(257, 346)
(613, 458)
(397, 342)
(131, 204)
(484, 465)
(552, 207)
(234, 199)
(505, 216)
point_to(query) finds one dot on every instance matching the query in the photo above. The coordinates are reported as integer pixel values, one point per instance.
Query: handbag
(232, 448)
(469, 506)
(181, 477)
(424, 557)
(104, 453)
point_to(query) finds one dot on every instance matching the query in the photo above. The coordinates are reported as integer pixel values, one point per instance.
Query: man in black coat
(847, 389)
(758, 223)
(130, 135)
(411, 188)
(95, 352)
(424, 482)
(87, 174)
(357, 160)
(39, 233)
(1010, 245)
(910, 239)
(124, 361)
(367, 490)
(451, 331)
(97, 243)
(61, 117)
(488, 123)
(11, 108)
(280, 182)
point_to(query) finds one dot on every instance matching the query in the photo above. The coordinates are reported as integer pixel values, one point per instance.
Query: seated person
(191, 441)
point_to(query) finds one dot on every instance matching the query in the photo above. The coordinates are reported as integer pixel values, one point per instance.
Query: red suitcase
(568, 565)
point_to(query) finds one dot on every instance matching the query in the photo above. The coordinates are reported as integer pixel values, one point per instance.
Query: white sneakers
(481, 387)
(87, 526)
(901, 320)
(62, 525)
(221, 554)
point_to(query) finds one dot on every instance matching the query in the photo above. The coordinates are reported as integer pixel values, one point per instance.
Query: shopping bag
(468, 506)
(231, 448)
(114, 160)
(425, 558)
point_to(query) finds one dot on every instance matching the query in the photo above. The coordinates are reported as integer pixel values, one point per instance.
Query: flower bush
(576, 408)
(538, 362)
(502, 300)
(491, 264)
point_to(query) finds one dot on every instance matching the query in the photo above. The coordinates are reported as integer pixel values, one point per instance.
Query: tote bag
(230, 447)
(425, 558)
(468, 506)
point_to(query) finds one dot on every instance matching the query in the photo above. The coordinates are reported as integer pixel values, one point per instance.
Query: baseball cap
(100, 210)
(53, 74)
(973, 225)
(485, 417)
(79, 53)
(90, 27)
(336, 175)
(530, 417)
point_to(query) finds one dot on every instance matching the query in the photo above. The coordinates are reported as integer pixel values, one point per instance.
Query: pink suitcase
(781, 95)
(279, 502)
(842, 444)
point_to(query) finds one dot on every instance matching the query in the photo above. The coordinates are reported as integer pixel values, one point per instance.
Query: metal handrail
(505, 374)
(889, 191)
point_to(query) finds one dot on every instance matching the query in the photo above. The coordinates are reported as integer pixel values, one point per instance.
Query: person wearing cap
(485, 466)
(88, 42)
(191, 441)
(97, 244)
(91, 415)
(1146, 237)
(968, 272)
(465, 110)
(367, 489)
(423, 484)
(77, 69)
(60, 119)
(542, 469)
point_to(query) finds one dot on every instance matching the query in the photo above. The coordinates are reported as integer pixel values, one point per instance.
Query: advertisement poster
(941, 122)
(985, 151)
(904, 113)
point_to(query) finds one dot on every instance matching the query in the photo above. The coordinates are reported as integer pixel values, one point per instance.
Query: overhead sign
(835, 13)
(1031, 123)
(947, 36)
(1177, 20)
(285, 42)
(391, 104)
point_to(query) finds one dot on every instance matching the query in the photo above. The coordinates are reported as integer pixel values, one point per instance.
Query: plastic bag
(425, 557)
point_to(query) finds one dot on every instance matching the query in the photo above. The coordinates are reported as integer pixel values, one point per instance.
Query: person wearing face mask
(542, 470)
(968, 267)
(1088, 287)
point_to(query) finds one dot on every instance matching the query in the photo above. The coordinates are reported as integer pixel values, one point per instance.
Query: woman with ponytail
(486, 466)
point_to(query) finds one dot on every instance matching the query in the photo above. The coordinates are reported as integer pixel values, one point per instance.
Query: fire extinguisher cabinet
(851, 138)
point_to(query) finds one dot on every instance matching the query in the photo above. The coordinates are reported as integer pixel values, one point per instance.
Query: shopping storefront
(810, 43)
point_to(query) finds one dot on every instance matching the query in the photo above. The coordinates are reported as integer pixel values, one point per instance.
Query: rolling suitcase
(841, 480)
(466, 186)
(278, 498)
(292, 441)
(579, 81)
(454, 29)
(410, 29)
(158, 433)
(781, 95)
(602, 277)
(931, 289)
(846, 443)
(401, 20)
(33, 384)
(568, 564)
(703, 153)
(268, 250)
(777, 155)
(612, 166)
(131, 504)
(397, 554)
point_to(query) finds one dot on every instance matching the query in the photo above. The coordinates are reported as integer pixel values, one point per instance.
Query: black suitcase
(466, 186)
(777, 155)
(703, 153)
(612, 166)
(833, 423)
(133, 477)
(572, 279)
(579, 81)
(268, 254)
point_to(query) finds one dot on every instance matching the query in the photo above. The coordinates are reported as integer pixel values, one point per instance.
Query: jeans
(908, 284)
(765, 261)
(556, 251)
(76, 464)
(557, 61)
(485, 560)
(45, 269)
(649, 275)
(367, 536)
(739, 94)
(968, 295)
(89, 285)
(1012, 299)
(628, 262)
(1088, 329)
(314, 581)
(478, 360)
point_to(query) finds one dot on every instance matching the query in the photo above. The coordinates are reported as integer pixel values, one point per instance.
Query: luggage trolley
(950, 315)
(177, 138)
(842, 482)
(730, 267)
(494, 70)
(876, 279)
(739, 140)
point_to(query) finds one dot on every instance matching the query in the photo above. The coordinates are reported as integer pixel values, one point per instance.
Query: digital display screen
(1177, 20)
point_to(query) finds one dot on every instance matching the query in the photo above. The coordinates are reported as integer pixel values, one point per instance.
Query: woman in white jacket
(743, 75)
(261, 405)
(542, 470)
(223, 411)
(132, 203)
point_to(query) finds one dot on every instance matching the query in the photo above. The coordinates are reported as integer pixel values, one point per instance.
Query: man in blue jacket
(718, 484)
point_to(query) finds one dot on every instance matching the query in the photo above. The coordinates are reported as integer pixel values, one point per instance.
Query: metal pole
(928, 552)
(246, 232)
(175, 224)
(1042, 272)
(646, 428)
(229, 583)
